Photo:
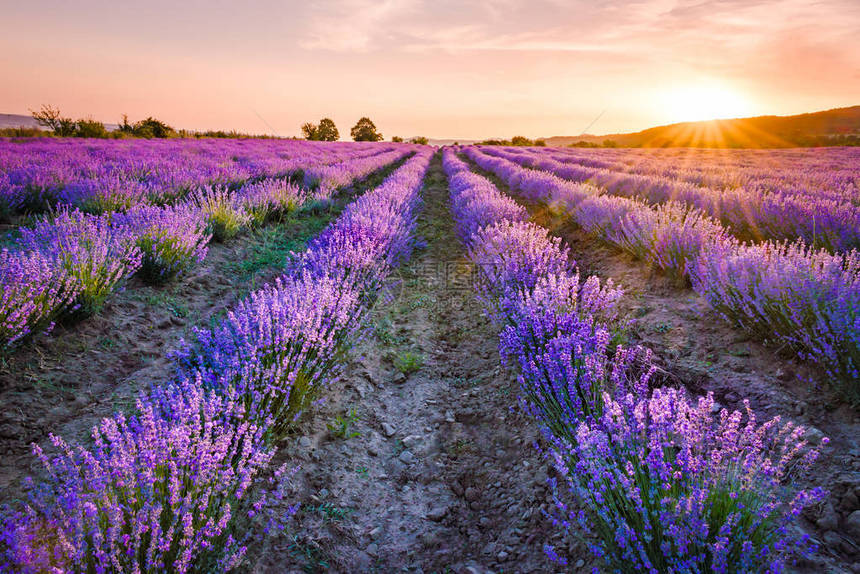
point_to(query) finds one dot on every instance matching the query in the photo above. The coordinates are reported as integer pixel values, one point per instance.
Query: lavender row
(328, 177)
(832, 173)
(67, 266)
(184, 484)
(806, 300)
(100, 176)
(661, 482)
(751, 214)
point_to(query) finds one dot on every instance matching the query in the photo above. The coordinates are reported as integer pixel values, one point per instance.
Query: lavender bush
(93, 252)
(667, 486)
(170, 488)
(660, 485)
(170, 239)
(33, 294)
(786, 211)
(513, 256)
(279, 348)
(101, 175)
(791, 294)
(158, 491)
(801, 298)
(271, 199)
(225, 212)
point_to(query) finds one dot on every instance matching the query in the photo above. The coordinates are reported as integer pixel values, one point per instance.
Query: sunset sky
(438, 68)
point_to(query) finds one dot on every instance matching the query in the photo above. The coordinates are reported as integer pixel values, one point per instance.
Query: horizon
(491, 70)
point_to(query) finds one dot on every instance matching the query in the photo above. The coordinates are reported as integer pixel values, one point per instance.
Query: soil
(697, 349)
(442, 474)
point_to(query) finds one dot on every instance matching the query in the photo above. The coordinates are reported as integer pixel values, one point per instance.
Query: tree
(365, 131)
(419, 140)
(397, 139)
(540, 143)
(49, 117)
(327, 131)
(126, 127)
(309, 131)
(520, 141)
(152, 128)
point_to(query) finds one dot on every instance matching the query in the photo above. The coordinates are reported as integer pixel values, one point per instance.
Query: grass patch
(340, 427)
(407, 362)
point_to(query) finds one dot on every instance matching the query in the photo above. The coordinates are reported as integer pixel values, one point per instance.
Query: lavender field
(269, 355)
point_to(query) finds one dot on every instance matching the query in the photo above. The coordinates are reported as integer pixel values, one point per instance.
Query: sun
(706, 101)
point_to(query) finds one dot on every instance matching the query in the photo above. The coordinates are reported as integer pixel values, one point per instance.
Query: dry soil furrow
(443, 474)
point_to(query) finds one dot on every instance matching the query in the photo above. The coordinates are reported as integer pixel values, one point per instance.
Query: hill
(22, 121)
(817, 128)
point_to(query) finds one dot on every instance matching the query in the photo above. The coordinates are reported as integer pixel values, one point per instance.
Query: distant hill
(758, 132)
(17, 121)
(22, 121)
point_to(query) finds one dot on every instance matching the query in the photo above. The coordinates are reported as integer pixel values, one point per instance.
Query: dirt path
(442, 475)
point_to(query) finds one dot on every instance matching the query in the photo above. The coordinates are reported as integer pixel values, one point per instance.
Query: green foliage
(309, 131)
(23, 132)
(408, 362)
(164, 257)
(331, 512)
(90, 128)
(365, 131)
(583, 143)
(540, 143)
(225, 217)
(148, 128)
(397, 139)
(514, 141)
(51, 118)
(339, 428)
(419, 140)
(221, 134)
(326, 131)
(315, 557)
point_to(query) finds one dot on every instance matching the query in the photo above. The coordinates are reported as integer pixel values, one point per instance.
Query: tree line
(55, 123)
(363, 131)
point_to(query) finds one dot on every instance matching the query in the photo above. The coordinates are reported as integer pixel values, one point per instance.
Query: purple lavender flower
(34, 292)
(96, 254)
(170, 239)
(225, 212)
(159, 490)
(790, 293)
(668, 486)
(271, 199)
(279, 348)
